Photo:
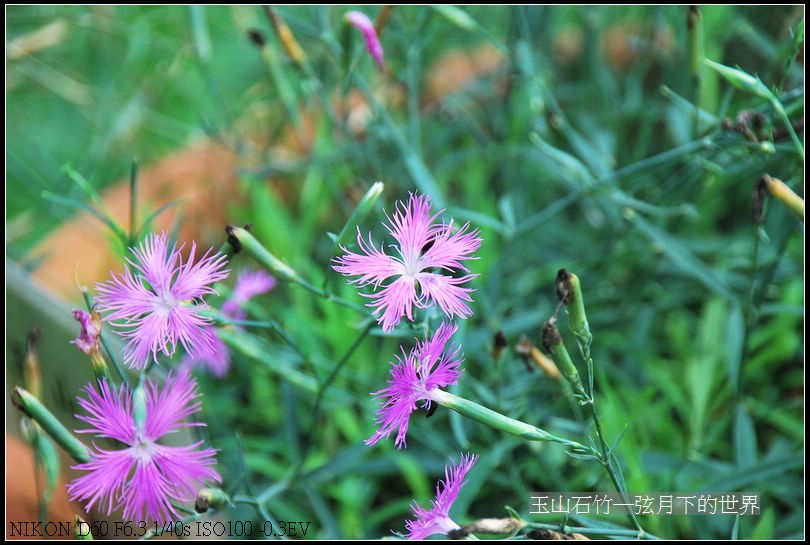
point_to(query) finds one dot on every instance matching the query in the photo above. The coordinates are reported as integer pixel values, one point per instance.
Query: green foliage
(595, 144)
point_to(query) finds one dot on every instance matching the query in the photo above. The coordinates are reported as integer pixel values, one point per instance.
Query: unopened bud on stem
(242, 240)
(31, 374)
(781, 191)
(30, 405)
(553, 343)
(570, 292)
(499, 342)
(211, 498)
(530, 352)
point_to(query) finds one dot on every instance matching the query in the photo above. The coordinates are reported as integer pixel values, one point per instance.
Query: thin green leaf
(153, 215)
(757, 474)
(745, 439)
(73, 203)
(735, 337)
(617, 441)
(684, 259)
(82, 182)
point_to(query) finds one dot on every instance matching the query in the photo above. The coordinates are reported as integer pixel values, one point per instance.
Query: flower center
(143, 450)
(411, 267)
(165, 303)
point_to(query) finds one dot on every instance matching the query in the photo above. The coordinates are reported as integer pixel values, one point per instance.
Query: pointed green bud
(570, 292)
(241, 240)
(457, 17)
(553, 343)
(741, 80)
(31, 406)
(694, 26)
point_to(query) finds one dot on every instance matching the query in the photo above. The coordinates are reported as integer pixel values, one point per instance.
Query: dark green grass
(696, 310)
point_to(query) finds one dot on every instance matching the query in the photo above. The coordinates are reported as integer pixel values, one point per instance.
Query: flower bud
(781, 191)
(31, 406)
(361, 21)
(286, 37)
(241, 240)
(211, 498)
(553, 343)
(32, 378)
(741, 80)
(499, 342)
(87, 341)
(570, 293)
(360, 211)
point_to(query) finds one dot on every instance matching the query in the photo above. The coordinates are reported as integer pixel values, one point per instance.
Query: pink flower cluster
(427, 268)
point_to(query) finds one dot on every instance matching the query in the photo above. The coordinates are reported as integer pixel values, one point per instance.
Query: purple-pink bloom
(248, 285)
(87, 341)
(437, 520)
(423, 245)
(218, 361)
(159, 300)
(145, 477)
(366, 27)
(418, 377)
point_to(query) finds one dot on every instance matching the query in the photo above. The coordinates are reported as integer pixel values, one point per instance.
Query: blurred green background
(590, 138)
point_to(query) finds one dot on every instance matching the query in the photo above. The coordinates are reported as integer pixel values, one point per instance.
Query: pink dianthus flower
(429, 254)
(416, 378)
(437, 520)
(145, 477)
(159, 300)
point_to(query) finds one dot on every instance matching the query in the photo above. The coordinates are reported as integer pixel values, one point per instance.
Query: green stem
(359, 213)
(422, 177)
(252, 499)
(133, 201)
(159, 531)
(335, 370)
(496, 420)
(257, 251)
(569, 290)
(586, 530)
(605, 459)
(780, 111)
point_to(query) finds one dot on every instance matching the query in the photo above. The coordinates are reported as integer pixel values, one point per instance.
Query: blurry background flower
(88, 339)
(218, 360)
(366, 27)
